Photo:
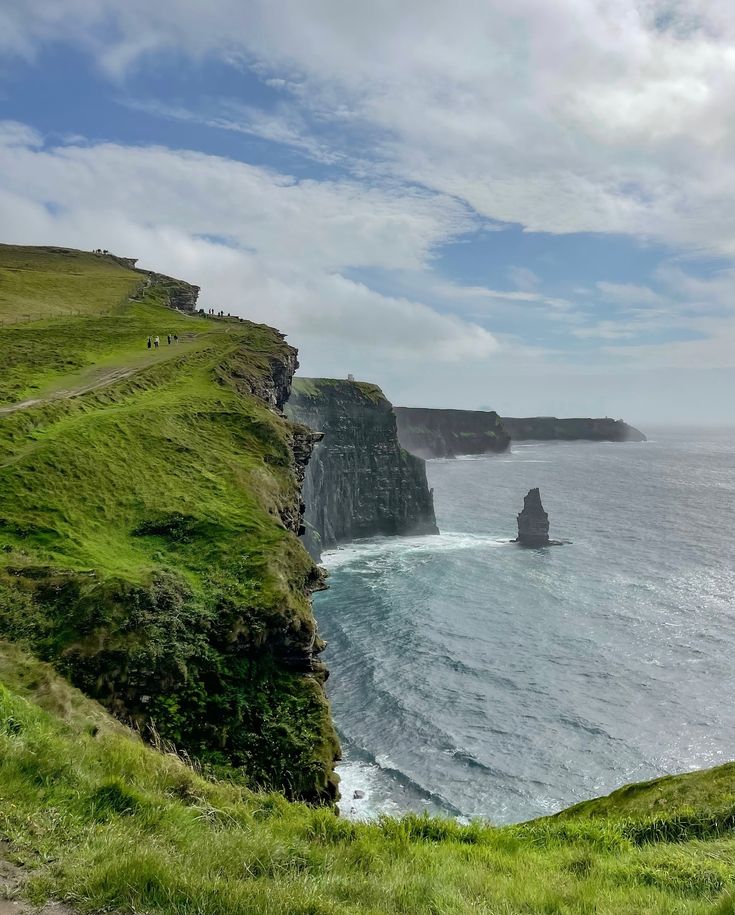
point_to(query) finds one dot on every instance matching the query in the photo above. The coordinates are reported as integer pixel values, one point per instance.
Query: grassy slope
(109, 823)
(44, 282)
(315, 387)
(142, 546)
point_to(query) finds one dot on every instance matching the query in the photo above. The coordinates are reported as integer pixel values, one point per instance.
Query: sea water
(475, 678)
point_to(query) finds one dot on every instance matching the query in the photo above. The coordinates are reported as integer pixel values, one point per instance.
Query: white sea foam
(378, 547)
(363, 778)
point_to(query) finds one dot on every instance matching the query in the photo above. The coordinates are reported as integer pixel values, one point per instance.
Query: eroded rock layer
(360, 482)
(430, 433)
(550, 428)
(533, 522)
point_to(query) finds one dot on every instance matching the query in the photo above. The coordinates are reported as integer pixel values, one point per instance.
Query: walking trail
(95, 378)
(12, 879)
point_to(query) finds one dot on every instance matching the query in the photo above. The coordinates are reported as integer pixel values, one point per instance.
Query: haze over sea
(476, 678)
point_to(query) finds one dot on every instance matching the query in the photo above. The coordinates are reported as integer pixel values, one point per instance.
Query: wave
(359, 774)
(374, 547)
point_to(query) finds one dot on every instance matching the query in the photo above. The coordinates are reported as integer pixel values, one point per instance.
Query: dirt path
(94, 379)
(101, 381)
(12, 879)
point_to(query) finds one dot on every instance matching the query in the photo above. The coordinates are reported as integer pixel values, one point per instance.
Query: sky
(524, 206)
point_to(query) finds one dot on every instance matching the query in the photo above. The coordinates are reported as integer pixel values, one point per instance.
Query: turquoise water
(473, 677)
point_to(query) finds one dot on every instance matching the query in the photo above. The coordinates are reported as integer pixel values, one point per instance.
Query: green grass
(38, 283)
(107, 823)
(143, 539)
(315, 387)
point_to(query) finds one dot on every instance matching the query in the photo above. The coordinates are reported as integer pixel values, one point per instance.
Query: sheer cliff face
(431, 433)
(359, 482)
(549, 428)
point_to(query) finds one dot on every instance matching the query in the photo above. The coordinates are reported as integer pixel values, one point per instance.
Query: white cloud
(629, 294)
(562, 115)
(286, 242)
(523, 278)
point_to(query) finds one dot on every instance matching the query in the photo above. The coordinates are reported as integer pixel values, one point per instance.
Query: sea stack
(533, 522)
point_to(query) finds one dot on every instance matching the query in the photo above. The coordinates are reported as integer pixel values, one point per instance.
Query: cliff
(174, 293)
(359, 482)
(431, 433)
(150, 508)
(548, 428)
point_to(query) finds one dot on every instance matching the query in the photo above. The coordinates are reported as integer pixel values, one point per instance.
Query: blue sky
(528, 211)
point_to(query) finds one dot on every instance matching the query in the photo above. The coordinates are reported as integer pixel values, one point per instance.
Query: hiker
(156, 342)
(169, 339)
(176, 338)
(150, 343)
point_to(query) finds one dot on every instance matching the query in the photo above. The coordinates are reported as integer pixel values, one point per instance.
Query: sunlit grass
(109, 823)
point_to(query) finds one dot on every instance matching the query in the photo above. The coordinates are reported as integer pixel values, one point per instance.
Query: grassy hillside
(50, 282)
(148, 512)
(106, 823)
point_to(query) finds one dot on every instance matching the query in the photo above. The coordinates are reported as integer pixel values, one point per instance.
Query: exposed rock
(430, 433)
(272, 385)
(359, 482)
(177, 294)
(533, 522)
(549, 428)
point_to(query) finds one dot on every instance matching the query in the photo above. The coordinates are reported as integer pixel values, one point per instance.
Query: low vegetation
(107, 823)
(37, 283)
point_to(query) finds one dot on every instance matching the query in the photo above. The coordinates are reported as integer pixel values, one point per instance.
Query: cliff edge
(359, 482)
(430, 433)
(550, 428)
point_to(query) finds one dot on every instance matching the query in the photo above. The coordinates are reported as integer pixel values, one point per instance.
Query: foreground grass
(107, 823)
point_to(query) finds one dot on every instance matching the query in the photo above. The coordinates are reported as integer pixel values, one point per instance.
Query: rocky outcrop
(174, 293)
(549, 428)
(533, 522)
(268, 378)
(430, 433)
(359, 482)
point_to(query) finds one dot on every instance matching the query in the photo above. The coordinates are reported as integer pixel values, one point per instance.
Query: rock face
(549, 428)
(533, 522)
(430, 433)
(359, 482)
(174, 293)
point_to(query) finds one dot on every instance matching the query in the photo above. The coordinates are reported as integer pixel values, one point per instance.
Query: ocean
(475, 678)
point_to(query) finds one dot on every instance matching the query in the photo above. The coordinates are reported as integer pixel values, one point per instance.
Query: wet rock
(533, 522)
